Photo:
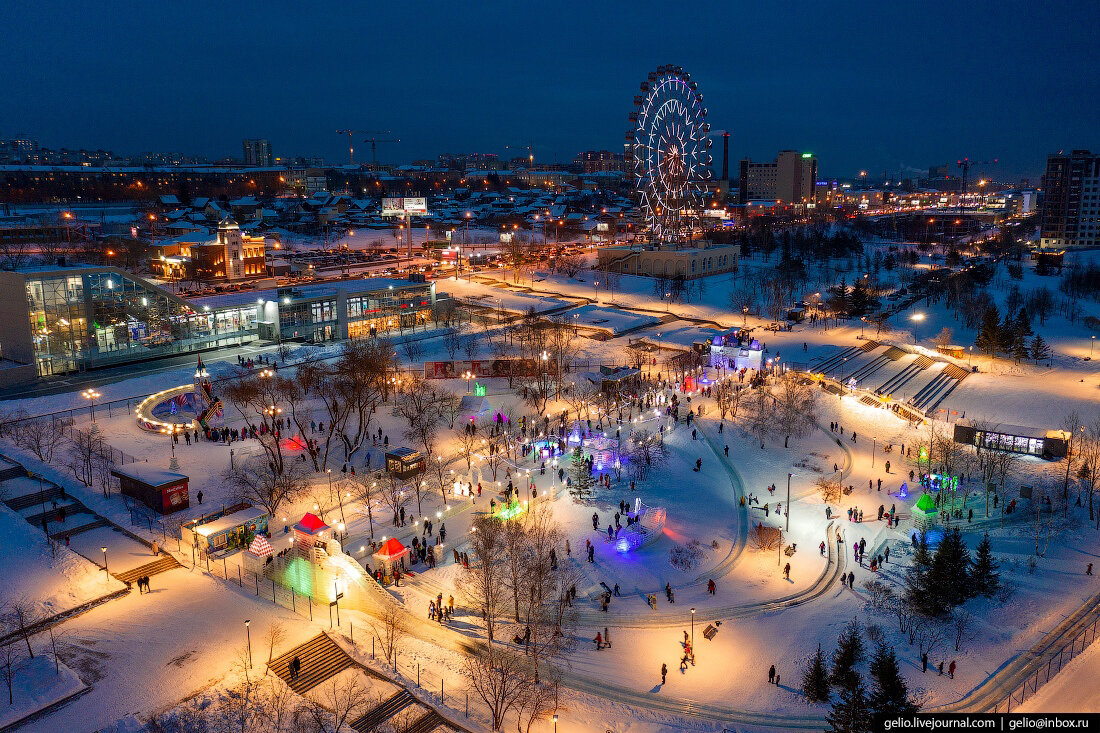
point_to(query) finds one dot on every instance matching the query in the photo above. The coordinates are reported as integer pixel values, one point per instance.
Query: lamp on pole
(693, 629)
(104, 549)
(873, 441)
(555, 723)
(789, 501)
(248, 640)
(1092, 346)
(91, 395)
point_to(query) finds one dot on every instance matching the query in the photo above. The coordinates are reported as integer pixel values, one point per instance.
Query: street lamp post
(104, 549)
(693, 629)
(248, 640)
(1092, 346)
(873, 441)
(789, 501)
(91, 395)
(555, 723)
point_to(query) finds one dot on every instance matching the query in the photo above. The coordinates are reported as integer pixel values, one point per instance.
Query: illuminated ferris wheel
(668, 151)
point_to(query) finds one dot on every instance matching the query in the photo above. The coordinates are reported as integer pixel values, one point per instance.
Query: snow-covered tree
(849, 652)
(815, 680)
(849, 713)
(889, 695)
(984, 578)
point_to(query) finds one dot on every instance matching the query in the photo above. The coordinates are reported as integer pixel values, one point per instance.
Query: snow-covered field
(186, 632)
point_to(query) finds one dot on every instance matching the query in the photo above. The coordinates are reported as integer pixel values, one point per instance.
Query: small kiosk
(924, 513)
(225, 530)
(259, 553)
(405, 462)
(390, 555)
(160, 490)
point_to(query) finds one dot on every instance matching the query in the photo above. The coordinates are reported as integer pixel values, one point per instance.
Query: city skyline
(954, 82)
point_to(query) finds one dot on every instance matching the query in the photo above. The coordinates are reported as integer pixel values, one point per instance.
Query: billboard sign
(397, 206)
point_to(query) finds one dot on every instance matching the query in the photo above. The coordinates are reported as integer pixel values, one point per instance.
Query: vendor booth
(392, 554)
(405, 462)
(225, 530)
(160, 490)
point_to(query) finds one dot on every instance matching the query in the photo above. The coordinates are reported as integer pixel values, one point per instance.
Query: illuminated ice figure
(647, 525)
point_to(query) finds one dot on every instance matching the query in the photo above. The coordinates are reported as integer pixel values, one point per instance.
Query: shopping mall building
(58, 319)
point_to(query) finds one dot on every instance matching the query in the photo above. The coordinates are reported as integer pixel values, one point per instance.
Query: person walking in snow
(787, 571)
(664, 672)
(951, 669)
(924, 662)
(771, 675)
(599, 641)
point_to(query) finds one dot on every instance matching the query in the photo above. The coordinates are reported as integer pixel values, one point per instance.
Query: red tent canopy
(311, 524)
(392, 548)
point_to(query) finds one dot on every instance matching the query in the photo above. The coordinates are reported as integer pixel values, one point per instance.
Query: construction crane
(530, 152)
(965, 164)
(374, 149)
(351, 142)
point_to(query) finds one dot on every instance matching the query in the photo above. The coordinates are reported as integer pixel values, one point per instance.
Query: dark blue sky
(870, 85)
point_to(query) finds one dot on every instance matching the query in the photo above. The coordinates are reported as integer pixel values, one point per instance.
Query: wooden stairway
(321, 659)
(427, 723)
(162, 564)
(384, 711)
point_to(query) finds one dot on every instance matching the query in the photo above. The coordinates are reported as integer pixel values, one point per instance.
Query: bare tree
(796, 406)
(22, 614)
(729, 395)
(276, 634)
(500, 679)
(962, 623)
(452, 342)
(389, 629)
(42, 437)
(395, 493)
(830, 488)
(10, 659)
(761, 412)
(930, 633)
(484, 584)
(339, 702)
(257, 482)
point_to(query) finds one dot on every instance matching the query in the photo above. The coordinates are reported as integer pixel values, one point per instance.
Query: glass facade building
(70, 319)
(84, 318)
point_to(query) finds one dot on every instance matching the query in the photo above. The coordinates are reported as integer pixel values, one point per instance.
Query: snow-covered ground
(148, 652)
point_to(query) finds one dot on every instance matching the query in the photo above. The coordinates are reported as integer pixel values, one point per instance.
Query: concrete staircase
(321, 659)
(386, 710)
(162, 564)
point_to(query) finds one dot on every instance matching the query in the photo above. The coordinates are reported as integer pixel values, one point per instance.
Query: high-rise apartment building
(1071, 200)
(790, 179)
(257, 153)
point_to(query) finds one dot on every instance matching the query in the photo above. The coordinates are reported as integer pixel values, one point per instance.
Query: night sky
(877, 85)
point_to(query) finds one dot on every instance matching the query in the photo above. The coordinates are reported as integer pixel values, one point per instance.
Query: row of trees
(788, 409)
(854, 710)
(937, 582)
(84, 453)
(515, 582)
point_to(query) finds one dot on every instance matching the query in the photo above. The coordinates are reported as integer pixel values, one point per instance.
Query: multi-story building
(257, 152)
(58, 319)
(790, 178)
(230, 255)
(599, 161)
(687, 262)
(1070, 211)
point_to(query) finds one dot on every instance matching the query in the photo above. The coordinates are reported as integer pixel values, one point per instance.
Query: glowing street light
(248, 639)
(91, 395)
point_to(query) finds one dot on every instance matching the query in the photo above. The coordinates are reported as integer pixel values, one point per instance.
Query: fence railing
(1043, 674)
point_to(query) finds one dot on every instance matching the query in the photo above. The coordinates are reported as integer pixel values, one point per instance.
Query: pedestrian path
(320, 658)
(160, 565)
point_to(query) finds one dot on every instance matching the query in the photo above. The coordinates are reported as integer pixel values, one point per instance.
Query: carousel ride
(187, 407)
